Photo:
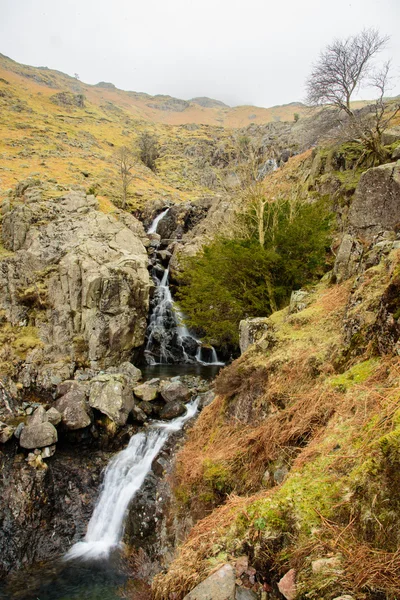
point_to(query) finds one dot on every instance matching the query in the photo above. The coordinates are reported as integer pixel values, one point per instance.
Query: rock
(376, 204)
(132, 373)
(87, 273)
(54, 416)
(39, 416)
(146, 407)
(326, 564)
(112, 395)
(396, 153)
(348, 258)
(48, 451)
(251, 330)
(138, 414)
(146, 391)
(175, 391)
(390, 136)
(287, 585)
(298, 301)
(38, 436)
(73, 407)
(206, 399)
(245, 594)
(345, 597)
(6, 433)
(218, 586)
(172, 410)
(18, 430)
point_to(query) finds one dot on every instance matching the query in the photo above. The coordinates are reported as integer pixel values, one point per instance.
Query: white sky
(239, 51)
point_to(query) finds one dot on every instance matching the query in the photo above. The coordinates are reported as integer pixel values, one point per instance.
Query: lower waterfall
(123, 478)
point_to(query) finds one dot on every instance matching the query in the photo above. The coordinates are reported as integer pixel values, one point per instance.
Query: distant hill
(158, 109)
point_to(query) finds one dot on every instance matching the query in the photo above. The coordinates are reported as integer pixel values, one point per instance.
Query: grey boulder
(175, 391)
(112, 395)
(219, 586)
(73, 407)
(172, 410)
(38, 436)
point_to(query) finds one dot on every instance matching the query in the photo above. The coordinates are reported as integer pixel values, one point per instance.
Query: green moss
(217, 476)
(355, 375)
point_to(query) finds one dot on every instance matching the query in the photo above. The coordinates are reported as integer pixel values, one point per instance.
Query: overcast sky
(239, 51)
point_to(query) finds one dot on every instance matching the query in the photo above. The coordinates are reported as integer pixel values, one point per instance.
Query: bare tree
(342, 68)
(125, 160)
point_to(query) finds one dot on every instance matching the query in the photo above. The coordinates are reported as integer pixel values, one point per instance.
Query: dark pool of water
(165, 371)
(68, 581)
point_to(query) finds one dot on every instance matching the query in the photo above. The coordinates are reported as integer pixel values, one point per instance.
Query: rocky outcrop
(78, 278)
(73, 407)
(376, 204)
(251, 330)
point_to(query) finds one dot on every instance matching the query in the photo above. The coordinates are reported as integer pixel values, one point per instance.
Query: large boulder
(147, 391)
(73, 406)
(220, 585)
(376, 204)
(173, 391)
(112, 395)
(84, 271)
(38, 436)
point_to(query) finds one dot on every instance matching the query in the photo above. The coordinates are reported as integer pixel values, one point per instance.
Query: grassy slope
(323, 407)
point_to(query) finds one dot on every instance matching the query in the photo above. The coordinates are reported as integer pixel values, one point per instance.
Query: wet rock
(218, 586)
(112, 395)
(54, 416)
(146, 407)
(172, 410)
(251, 330)
(138, 414)
(175, 391)
(73, 407)
(38, 436)
(147, 391)
(287, 585)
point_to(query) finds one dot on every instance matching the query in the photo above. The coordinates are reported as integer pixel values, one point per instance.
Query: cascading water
(168, 339)
(123, 478)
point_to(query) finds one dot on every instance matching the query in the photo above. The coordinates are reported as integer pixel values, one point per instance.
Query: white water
(166, 319)
(154, 225)
(123, 477)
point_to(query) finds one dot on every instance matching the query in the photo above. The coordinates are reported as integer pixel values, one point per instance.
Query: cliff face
(74, 286)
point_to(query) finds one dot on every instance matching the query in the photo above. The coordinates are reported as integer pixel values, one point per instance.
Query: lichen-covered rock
(298, 301)
(251, 330)
(147, 391)
(112, 395)
(38, 436)
(132, 373)
(348, 258)
(84, 271)
(376, 204)
(73, 406)
(220, 585)
(6, 433)
(39, 416)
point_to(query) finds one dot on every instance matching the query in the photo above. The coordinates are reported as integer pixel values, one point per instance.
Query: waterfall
(168, 339)
(123, 477)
